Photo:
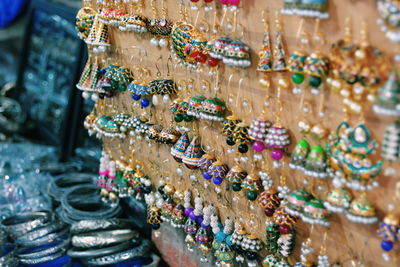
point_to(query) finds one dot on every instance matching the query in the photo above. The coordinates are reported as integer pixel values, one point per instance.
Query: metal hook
(169, 60)
(158, 70)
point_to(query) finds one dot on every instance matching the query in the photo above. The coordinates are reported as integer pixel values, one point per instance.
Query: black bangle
(79, 253)
(105, 211)
(85, 226)
(63, 182)
(43, 250)
(140, 251)
(22, 223)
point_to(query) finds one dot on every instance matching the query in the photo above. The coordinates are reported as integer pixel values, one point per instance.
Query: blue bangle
(135, 263)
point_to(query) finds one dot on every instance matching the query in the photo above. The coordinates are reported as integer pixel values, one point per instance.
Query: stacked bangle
(47, 238)
(63, 182)
(43, 250)
(79, 253)
(40, 232)
(94, 208)
(138, 252)
(44, 259)
(96, 225)
(103, 238)
(20, 224)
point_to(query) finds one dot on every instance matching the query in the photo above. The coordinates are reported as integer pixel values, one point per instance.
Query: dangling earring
(252, 183)
(159, 27)
(84, 21)
(279, 50)
(193, 153)
(203, 235)
(297, 60)
(317, 66)
(265, 61)
(217, 171)
(388, 96)
(235, 177)
(179, 148)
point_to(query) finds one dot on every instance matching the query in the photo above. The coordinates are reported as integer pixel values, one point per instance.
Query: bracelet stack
(63, 182)
(40, 237)
(107, 242)
(83, 202)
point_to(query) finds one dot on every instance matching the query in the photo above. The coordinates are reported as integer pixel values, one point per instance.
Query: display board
(347, 243)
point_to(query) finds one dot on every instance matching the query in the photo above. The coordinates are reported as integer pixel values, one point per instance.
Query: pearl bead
(163, 43)
(154, 42)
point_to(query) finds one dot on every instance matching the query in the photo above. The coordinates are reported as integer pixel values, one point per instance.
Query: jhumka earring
(279, 49)
(159, 26)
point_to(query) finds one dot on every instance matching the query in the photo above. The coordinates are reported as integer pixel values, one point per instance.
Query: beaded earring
(277, 139)
(357, 172)
(194, 218)
(265, 56)
(103, 169)
(165, 86)
(89, 123)
(280, 237)
(388, 99)
(389, 11)
(89, 79)
(159, 27)
(236, 240)
(338, 200)
(222, 242)
(279, 49)
(217, 172)
(153, 212)
(252, 183)
(316, 64)
(84, 21)
(235, 177)
(203, 235)
(193, 153)
(99, 36)
(179, 148)
(306, 8)
(167, 191)
(391, 143)
(195, 105)
(169, 136)
(241, 137)
(189, 44)
(135, 22)
(297, 60)
(388, 230)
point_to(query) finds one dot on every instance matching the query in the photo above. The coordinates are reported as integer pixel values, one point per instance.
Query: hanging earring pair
(160, 27)
(275, 60)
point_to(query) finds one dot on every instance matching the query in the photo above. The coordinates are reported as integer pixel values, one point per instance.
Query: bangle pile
(83, 202)
(40, 238)
(107, 242)
(62, 183)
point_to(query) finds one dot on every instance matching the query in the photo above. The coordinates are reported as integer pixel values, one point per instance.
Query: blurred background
(41, 111)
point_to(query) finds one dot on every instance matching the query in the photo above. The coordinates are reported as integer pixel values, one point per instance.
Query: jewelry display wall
(267, 90)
